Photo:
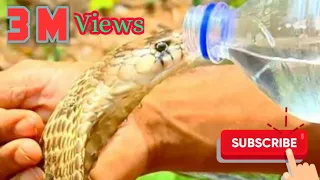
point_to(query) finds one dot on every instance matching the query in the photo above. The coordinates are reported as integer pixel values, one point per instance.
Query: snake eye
(161, 46)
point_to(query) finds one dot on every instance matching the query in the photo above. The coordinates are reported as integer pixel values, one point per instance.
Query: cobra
(103, 97)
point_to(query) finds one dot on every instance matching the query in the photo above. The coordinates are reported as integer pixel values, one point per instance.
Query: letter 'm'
(52, 27)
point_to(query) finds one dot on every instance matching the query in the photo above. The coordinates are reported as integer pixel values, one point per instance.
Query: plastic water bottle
(276, 42)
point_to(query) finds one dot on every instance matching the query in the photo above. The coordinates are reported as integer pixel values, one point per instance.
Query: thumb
(125, 156)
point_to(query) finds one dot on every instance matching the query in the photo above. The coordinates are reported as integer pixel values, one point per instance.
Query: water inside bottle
(291, 83)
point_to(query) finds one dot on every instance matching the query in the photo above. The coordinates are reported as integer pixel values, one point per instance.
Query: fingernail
(26, 127)
(23, 153)
(289, 151)
(285, 176)
(32, 174)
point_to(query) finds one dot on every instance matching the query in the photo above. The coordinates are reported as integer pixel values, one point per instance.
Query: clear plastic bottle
(276, 42)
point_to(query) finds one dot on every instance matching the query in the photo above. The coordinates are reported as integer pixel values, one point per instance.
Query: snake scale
(102, 98)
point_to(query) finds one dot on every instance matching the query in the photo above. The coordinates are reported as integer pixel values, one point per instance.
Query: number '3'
(19, 24)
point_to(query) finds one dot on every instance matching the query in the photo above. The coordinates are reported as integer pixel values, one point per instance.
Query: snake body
(102, 98)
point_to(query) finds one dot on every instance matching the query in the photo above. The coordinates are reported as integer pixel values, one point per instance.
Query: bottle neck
(207, 29)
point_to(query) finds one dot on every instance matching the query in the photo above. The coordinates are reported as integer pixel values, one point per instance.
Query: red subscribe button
(262, 144)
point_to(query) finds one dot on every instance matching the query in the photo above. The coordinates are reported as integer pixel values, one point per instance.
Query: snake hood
(153, 57)
(102, 98)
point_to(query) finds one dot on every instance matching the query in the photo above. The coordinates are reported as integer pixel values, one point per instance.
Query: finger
(18, 155)
(16, 124)
(30, 174)
(286, 176)
(10, 97)
(305, 165)
(12, 93)
(44, 113)
(291, 164)
(123, 158)
(15, 89)
(313, 169)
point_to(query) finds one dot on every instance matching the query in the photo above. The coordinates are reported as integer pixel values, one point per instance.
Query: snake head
(151, 59)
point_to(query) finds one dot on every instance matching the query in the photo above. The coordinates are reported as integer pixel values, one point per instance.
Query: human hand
(37, 86)
(19, 151)
(300, 171)
(159, 135)
(177, 125)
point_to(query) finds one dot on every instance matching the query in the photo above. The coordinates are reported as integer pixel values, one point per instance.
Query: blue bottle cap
(204, 29)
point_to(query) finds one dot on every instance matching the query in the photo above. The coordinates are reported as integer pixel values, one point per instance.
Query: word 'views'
(54, 27)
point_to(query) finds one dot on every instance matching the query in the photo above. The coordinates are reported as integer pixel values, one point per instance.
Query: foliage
(231, 176)
(236, 3)
(196, 2)
(164, 175)
(3, 8)
(102, 4)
